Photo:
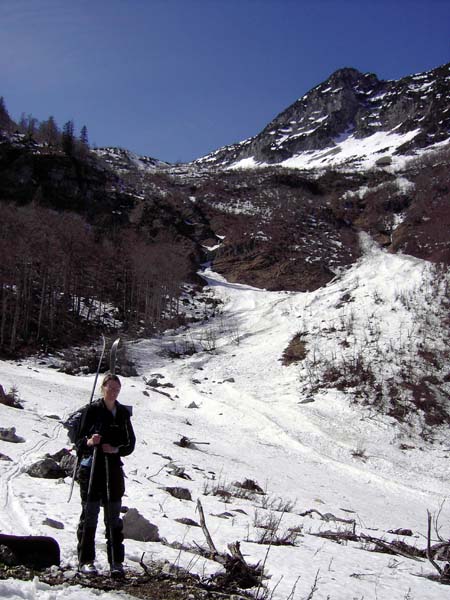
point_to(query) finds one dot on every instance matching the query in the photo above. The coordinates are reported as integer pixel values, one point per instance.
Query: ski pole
(88, 498)
(91, 474)
(108, 513)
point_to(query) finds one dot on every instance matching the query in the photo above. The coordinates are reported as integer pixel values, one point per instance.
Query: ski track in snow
(255, 427)
(11, 508)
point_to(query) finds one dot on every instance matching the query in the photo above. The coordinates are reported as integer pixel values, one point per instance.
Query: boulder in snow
(250, 485)
(136, 527)
(188, 522)
(179, 492)
(53, 523)
(47, 468)
(9, 435)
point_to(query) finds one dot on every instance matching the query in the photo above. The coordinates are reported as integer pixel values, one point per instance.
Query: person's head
(111, 386)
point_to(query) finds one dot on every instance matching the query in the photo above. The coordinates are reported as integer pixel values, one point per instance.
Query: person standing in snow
(105, 435)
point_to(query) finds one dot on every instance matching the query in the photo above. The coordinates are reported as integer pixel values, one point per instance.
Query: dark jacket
(115, 430)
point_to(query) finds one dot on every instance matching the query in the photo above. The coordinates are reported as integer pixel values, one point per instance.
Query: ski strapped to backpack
(75, 421)
(112, 356)
(112, 367)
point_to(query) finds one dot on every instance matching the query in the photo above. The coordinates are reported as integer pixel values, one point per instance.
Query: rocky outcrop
(350, 103)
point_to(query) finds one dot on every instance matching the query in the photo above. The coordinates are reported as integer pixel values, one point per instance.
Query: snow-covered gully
(314, 451)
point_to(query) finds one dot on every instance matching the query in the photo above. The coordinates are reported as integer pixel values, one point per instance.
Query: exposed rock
(65, 459)
(307, 400)
(152, 382)
(406, 532)
(187, 521)
(193, 405)
(349, 103)
(47, 468)
(136, 527)
(250, 485)
(179, 492)
(9, 435)
(222, 493)
(53, 523)
(57, 456)
(223, 515)
(9, 399)
(4, 457)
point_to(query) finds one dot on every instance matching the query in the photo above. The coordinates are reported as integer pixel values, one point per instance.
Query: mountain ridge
(349, 103)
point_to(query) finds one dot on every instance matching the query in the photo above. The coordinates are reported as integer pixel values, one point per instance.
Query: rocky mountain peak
(326, 125)
(349, 77)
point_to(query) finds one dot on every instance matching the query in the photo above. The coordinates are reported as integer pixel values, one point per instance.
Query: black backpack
(74, 423)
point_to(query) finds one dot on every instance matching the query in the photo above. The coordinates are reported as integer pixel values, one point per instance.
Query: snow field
(251, 417)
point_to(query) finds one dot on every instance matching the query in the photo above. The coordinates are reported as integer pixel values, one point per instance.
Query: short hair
(110, 377)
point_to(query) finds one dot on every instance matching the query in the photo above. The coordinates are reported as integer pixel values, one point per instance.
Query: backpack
(74, 423)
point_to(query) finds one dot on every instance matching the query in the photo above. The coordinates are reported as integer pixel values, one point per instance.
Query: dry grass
(296, 350)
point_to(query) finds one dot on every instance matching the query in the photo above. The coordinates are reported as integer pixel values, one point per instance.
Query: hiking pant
(90, 509)
(88, 526)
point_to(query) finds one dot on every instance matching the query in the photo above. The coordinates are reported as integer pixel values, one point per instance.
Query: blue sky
(176, 79)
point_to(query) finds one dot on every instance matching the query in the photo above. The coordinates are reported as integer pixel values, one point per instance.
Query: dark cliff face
(32, 172)
(351, 103)
(316, 119)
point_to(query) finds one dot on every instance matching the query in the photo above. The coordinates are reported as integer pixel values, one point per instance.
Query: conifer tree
(68, 138)
(84, 137)
(6, 122)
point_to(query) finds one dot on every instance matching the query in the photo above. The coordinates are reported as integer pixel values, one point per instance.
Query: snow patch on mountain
(348, 151)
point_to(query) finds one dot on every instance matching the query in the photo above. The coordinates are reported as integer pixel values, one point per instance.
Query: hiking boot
(117, 571)
(88, 569)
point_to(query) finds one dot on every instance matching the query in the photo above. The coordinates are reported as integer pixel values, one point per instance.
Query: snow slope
(350, 152)
(255, 421)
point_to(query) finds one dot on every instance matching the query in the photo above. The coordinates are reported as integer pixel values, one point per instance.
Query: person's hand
(94, 440)
(108, 449)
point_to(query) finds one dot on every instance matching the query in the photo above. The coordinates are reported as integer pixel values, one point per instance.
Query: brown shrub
(296, 350)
